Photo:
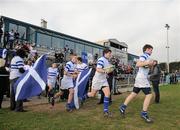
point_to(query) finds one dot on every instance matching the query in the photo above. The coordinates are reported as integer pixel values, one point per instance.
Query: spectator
(16, 35)
(6, 39)
(59, 57)
(11, 38)
(3, 75)
(155, 78)
(1, 33)
(95, 57)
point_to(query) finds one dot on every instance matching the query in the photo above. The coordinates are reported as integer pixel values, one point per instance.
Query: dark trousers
(15, 105)
(156, 90)
(1, 95)
(0, 40)
(11, 42)
(2, 89)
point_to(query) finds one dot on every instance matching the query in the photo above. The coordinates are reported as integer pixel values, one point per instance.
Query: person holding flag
(100, 80)
(16, 70)
(81, 67)
(31, 83)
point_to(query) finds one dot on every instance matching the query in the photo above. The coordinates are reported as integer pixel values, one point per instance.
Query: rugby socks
(68, 105)
(144, 113)
(85, 97)
(123, 107)
(106, 103)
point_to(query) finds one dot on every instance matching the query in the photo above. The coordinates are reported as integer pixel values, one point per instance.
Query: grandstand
(119, 49)
(44, 39)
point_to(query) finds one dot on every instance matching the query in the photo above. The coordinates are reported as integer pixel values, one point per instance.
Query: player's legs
(147, 100)
(69, 106)
(106, 92)
(58, 94)
(92, 93)
(123, 106)
(49, 92)
(129, 98)
(70, 96)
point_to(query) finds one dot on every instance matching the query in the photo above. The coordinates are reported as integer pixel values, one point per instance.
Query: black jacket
(3, 79)
(155, 73)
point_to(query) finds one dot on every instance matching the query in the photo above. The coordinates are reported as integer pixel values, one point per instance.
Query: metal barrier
(122, 81)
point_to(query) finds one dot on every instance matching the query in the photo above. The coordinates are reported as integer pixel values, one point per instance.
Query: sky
(135, 22)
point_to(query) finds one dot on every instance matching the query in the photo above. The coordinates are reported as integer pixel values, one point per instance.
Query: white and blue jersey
(102, 63)
(52, 73)
(16, 63)
(67, 81)
(100, 79)
(70, 67)
(52, 76)
(141, 80)
(81, 67)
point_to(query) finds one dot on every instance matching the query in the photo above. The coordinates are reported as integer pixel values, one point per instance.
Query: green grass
(166, 115)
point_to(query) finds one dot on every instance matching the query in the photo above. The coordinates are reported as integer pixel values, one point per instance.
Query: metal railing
(122, 81)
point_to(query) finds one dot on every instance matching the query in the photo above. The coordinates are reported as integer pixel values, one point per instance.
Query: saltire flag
(84, 57)
(80, 86)
(33, 81)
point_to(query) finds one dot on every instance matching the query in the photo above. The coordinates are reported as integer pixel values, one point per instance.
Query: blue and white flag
(84, 57)
(80, 87)
(33, 81)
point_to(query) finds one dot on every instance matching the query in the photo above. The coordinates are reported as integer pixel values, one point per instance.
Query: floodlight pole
(167, 26)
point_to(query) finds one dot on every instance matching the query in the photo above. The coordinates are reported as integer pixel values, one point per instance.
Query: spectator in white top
(16, 70)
